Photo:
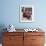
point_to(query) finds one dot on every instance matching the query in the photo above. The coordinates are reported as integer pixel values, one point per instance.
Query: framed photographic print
(26, 13)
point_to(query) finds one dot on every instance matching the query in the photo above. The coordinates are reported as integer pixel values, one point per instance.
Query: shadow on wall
(2, 26)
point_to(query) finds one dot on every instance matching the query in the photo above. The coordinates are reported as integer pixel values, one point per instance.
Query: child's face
(28, 13)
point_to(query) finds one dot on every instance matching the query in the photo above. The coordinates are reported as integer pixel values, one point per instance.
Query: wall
(9, 13)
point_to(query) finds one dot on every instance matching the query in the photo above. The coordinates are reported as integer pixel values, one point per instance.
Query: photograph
(26, 13)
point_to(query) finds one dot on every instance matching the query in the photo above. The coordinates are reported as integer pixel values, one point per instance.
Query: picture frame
(26, 13)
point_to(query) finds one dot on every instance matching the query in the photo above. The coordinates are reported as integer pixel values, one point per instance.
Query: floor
(1, 45)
